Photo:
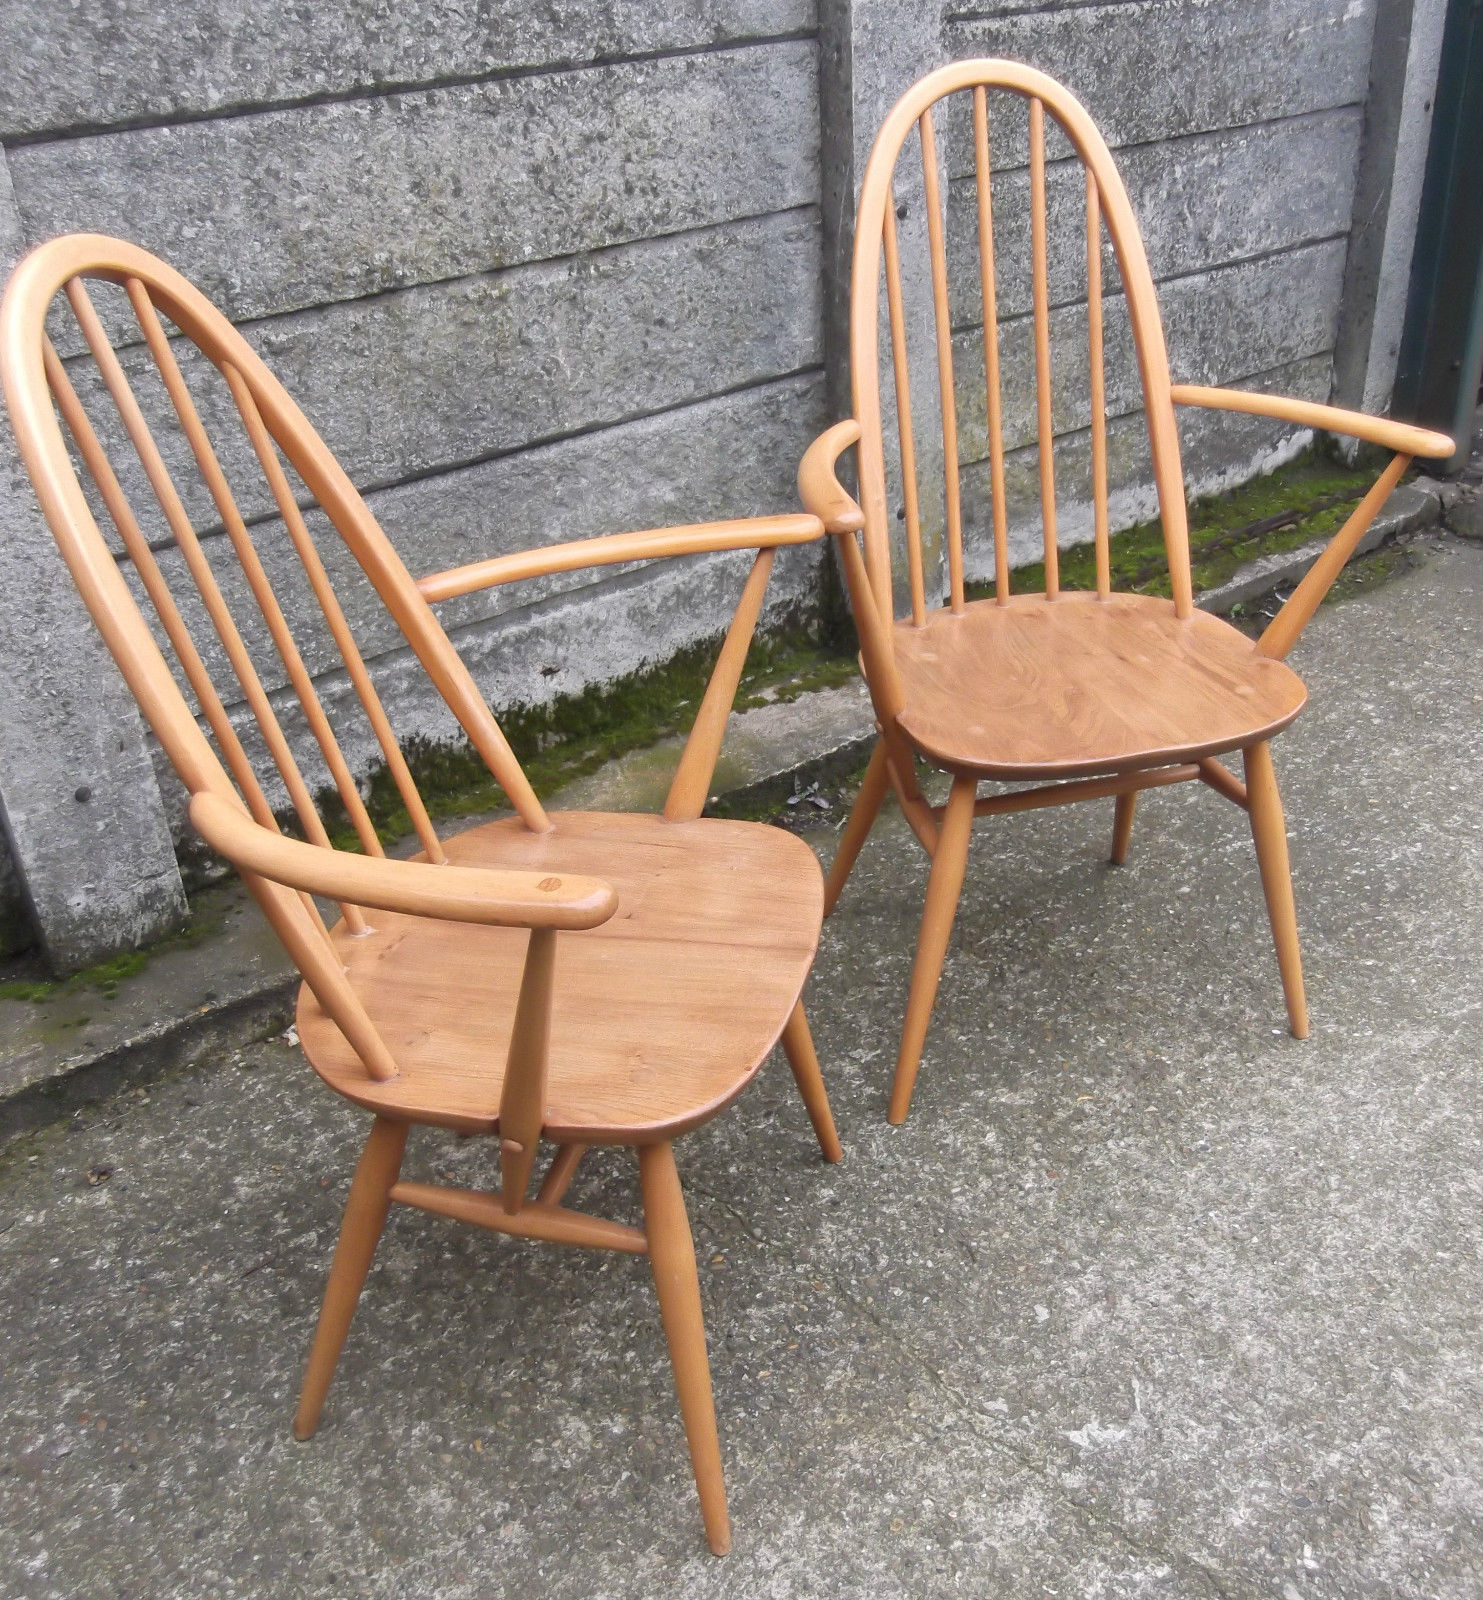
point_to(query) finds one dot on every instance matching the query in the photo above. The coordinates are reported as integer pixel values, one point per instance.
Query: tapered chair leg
(1122, 826)
(1269, 830)
(365, 1217)
(798, 1046)
(943, 888)
(672, 1256)
(560, 1173)
(862, 818)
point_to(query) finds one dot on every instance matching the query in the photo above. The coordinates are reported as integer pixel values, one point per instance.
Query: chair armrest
(821, 492)
(743, 533)
(493, 896)
(1399, 436)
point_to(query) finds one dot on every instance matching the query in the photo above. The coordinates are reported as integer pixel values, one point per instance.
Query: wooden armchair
(1086, 695)
(581, 978)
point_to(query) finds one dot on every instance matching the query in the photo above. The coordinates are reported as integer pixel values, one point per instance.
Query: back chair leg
(1122, 826)
(862, 818)
(798, 1046)
(365, 1217)
(672, 1256)
(1269, 830)
(943, 888)
(560, 1173)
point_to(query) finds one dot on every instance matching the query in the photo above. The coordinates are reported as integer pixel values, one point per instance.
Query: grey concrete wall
(539, 271)
(536, 272)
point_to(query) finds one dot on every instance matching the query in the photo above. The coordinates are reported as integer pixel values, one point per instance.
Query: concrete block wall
(535, 272)
(545, 271)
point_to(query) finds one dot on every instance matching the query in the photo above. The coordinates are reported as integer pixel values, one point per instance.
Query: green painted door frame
(1441, 357)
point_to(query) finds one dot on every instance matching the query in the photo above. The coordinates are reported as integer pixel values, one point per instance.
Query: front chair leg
(1269, 830)
(365, 1217)
(943, 888)
(798, 1046)
(1122, 826)
(862, 818)
(672, 1256)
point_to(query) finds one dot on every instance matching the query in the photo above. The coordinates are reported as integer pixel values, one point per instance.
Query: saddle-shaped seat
(659, 1016)
(1032, 690)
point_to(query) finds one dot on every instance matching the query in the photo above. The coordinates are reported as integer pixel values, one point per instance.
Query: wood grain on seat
(659, 1017)
(1076, 686)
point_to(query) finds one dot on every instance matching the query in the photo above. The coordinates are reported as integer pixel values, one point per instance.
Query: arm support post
(522, 1102)
(1286, 627)
(1407, 441)
(692, 780)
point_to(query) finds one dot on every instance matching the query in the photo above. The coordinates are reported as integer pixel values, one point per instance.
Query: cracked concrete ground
(1146, 1299)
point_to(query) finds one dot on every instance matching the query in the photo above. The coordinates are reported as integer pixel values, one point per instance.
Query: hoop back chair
(581, 977)
(1086, 694)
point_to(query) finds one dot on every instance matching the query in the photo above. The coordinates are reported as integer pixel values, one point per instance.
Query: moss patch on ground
(30, 982)
(1307, 499)
(577, 734)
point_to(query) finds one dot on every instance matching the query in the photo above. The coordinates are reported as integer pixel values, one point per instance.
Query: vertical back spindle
(252, 567)
(902, 373)
(1099, 396)
(334, 616)
(937, 247)
(199, 567)
(994, 397)
(1041, 291)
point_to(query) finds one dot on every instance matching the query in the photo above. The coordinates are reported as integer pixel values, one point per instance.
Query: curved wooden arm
(819, 489)
(492, 896)
(1401, 437)
(742, 533)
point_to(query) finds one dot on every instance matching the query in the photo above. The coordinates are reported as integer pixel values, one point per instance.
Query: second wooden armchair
(580, 978)
(1086, 695)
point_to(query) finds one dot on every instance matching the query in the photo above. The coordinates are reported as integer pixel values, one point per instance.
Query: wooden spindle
(1099, 392)
(995, 397)
(523, 1097)
(1041, 277)
(334, 616)
(199, 567)
(902, 372)
(252, 567)
(937, 247)
(136, 546)
(691, 783)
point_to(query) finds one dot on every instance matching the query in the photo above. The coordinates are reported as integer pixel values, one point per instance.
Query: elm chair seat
(1033, 690)
(659, 1017)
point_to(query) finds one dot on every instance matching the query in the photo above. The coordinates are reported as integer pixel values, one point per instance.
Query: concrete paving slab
(226, 981)
(1146, 1299)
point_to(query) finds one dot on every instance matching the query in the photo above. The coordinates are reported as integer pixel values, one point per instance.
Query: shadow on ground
(1146, 1299)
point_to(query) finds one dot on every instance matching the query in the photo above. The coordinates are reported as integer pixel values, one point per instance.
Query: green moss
(1307, 499)
(576, 734)
(207, 912)
(1370, 571)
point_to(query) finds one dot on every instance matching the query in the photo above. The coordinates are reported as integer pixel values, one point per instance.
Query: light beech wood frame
(584, 978)
(1085, 695)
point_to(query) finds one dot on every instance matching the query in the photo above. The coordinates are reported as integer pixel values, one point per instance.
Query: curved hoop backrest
(38, 385)
(876, 246)
(261, 426)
